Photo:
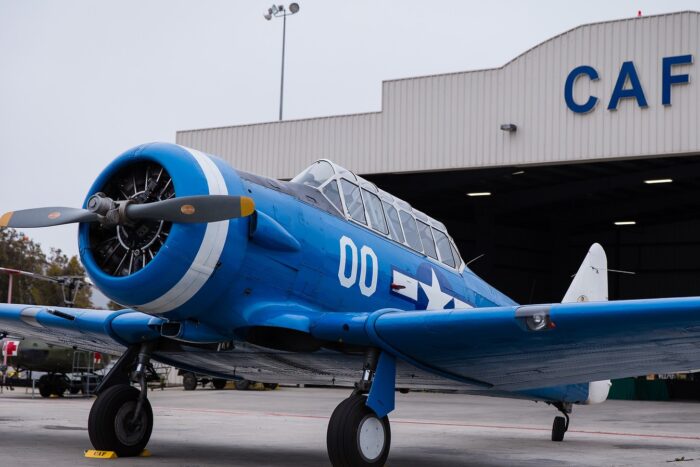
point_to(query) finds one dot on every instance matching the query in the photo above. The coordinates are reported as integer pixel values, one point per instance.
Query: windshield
(315, 175)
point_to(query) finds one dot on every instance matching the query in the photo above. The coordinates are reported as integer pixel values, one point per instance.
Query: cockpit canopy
(360, 201)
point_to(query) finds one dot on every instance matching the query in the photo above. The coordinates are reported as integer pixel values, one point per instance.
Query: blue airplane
(325, 279)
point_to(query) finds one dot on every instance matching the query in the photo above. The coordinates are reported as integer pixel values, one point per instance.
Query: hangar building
(568, 138)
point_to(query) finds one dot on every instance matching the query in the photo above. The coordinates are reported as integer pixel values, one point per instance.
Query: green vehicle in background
(190, 381)
(66, 369)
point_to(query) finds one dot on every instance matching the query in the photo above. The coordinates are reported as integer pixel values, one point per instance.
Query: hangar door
(535, 227)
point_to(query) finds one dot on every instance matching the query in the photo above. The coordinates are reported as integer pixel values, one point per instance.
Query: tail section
(591, 285)
(591, 281)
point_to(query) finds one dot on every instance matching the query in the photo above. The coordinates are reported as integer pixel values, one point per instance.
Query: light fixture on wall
(511, 127)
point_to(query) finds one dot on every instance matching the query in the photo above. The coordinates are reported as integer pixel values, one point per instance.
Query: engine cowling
(170, 269)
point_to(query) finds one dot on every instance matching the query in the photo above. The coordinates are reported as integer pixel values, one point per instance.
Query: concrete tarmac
(287, 427)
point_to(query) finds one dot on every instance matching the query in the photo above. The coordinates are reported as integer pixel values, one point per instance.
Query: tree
(17, 251)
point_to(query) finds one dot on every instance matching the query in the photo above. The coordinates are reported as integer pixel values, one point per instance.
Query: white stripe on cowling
(209, 251)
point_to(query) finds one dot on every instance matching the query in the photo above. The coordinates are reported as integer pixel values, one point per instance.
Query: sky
(83, 81)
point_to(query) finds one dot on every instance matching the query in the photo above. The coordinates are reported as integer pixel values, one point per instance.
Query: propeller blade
(46, 217)
(191, 209)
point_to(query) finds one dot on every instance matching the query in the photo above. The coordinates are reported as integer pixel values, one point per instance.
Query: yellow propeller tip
(247, 206)
(5, 219)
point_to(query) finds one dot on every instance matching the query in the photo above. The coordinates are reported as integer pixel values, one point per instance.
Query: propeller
(102, 209)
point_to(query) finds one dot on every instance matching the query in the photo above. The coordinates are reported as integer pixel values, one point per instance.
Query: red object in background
(639, 13)
(98, 358)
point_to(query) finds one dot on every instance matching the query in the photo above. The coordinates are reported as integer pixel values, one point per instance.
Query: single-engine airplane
(324, 279)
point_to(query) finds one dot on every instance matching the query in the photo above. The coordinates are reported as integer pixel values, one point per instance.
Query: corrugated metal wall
(453, 120)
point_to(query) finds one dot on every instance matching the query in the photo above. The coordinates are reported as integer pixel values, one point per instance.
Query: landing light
(658, 180)
(480, 193)
(625, 223)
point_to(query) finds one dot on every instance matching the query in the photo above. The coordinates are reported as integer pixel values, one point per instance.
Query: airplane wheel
(218, 383)
(110, 426)
(558, 429)
(356, 436)
(242, 384)
(189, 381)
(271, 386)
(45, 386)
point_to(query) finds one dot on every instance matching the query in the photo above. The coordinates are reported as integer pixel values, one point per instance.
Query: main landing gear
(121, 418)
(358, 436)
(561, 424)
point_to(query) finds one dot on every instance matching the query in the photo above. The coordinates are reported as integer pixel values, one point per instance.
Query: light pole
(279, 11)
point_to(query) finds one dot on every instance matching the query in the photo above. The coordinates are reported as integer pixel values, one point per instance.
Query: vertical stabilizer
(591, 285)
(591, 281)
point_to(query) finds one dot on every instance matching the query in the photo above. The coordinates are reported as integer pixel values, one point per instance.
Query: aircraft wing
(522, 347)
(101, 330)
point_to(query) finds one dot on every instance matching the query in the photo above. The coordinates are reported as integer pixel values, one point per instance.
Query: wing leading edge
(102, 330)
(534, 346)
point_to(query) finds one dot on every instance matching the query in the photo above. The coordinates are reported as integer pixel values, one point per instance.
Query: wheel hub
(128, 432)
(371, 438)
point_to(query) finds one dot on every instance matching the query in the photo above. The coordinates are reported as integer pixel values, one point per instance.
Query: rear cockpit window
(443, 247)
(316, 175)
(427, 238)
(455, 253)
(353, 201)
(375, 211)
(411, 231)
(333, 195)
(394, 223)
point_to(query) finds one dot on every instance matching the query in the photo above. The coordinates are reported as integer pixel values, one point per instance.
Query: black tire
(74, 390)
(45, 386)
(558, 429)
(189, 381)
(242, 384)
(271, 386)
(109, 420)
(345, 430)
(59, 385)
(218, 383)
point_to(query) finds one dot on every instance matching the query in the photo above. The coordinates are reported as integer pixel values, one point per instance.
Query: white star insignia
(437, 299)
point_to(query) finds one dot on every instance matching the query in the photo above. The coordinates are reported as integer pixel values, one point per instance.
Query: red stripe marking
(399, 421)
(433, 423)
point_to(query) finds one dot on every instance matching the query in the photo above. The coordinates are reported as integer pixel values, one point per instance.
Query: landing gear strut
(561, 424)
(121, 418)
(356, 435)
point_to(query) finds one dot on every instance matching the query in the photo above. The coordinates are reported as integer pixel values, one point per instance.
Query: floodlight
(293, 7)
(267, 17)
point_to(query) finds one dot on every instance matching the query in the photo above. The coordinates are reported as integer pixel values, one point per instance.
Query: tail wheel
(356, 436)
(111, 426)
(559, 428)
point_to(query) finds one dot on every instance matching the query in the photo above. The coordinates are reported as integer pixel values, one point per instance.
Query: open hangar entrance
(536, 226)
